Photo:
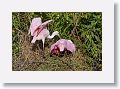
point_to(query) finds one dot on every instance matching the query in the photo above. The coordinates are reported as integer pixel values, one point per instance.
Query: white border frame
(104, 76)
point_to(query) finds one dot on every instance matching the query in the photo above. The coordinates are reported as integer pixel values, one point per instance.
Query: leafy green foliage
(83, 28)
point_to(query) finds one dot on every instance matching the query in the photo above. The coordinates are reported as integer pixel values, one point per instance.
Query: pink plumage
(36, 22)
(44, 33)
(37, 26)
(39, 30)
(63, 44)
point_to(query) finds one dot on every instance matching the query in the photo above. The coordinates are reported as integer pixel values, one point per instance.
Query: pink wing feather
(46, 22)
(70, 46)
(36, 22)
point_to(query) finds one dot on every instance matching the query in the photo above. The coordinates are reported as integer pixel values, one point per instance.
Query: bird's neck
(50, 37)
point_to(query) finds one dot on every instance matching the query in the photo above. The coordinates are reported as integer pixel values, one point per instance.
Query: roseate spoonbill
(62, 45)
(39, 30)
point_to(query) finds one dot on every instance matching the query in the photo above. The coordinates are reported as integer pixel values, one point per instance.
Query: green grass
(83, 28)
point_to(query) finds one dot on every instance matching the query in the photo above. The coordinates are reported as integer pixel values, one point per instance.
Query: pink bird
(39, 30)
(62, 45)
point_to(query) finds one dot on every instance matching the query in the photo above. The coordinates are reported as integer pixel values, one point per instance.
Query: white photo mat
(104, 76)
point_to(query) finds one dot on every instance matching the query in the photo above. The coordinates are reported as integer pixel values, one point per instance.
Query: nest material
(33, 58)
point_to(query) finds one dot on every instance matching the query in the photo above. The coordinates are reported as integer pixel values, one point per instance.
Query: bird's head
(55, 50)
(56, 33)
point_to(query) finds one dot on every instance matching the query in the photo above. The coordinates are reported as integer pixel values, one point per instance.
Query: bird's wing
(52, 47)
(46, 22)
(61, 41)
(36, 22)
(70, 46)
(61, 44)
(70, 41)
(43, 34)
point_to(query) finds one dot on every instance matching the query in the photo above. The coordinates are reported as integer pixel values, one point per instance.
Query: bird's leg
(43, 40)
(39, 48)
